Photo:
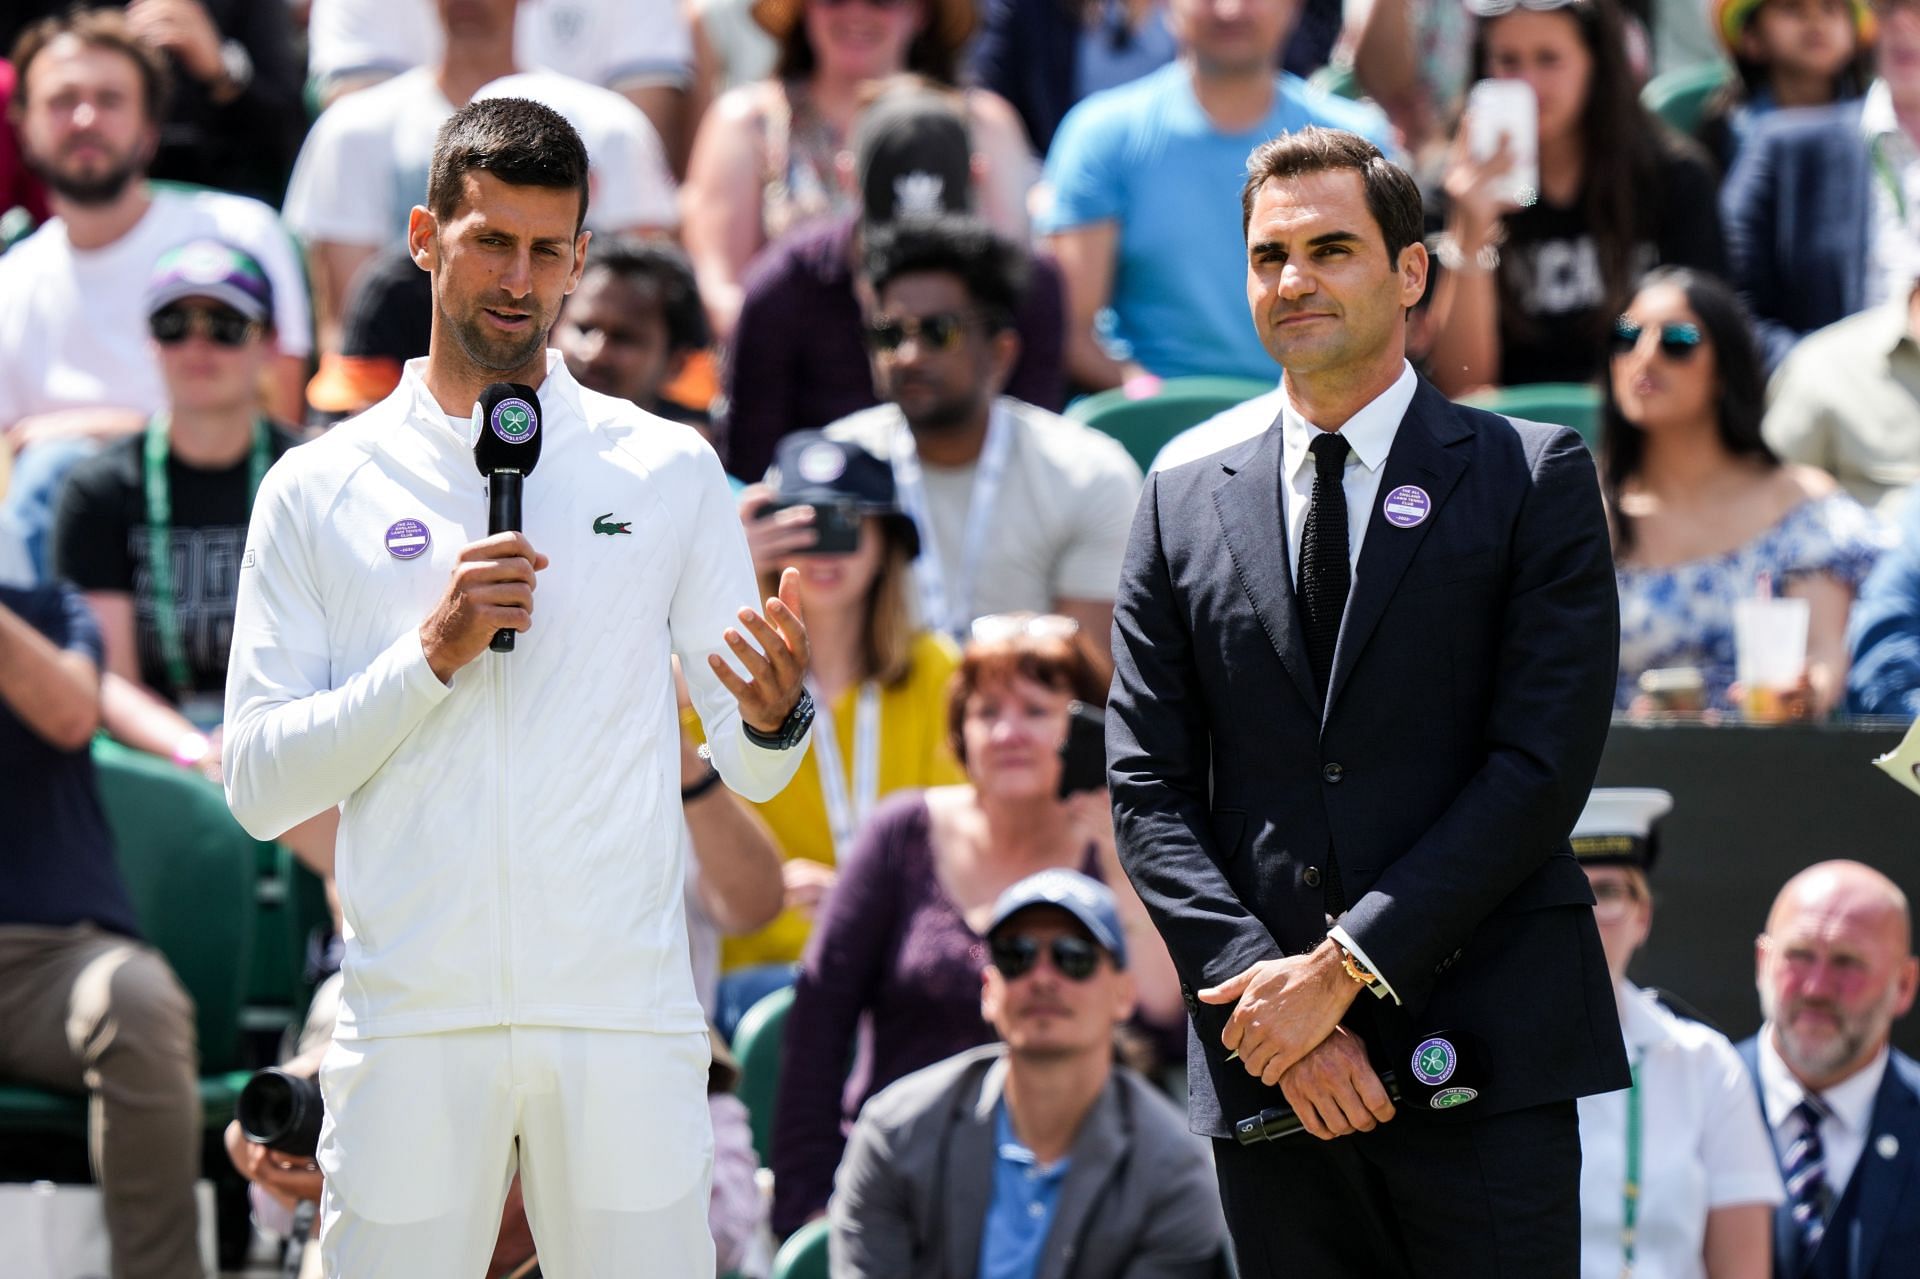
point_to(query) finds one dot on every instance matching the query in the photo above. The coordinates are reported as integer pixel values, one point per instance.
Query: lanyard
(1883, 168)
(166, 618)
(1630, 1195)
(943, 607)
(845, 814)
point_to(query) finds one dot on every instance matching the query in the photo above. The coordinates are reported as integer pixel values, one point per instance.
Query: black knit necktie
(1325, 574)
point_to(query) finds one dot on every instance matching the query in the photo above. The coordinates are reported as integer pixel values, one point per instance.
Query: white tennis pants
(609, 1131)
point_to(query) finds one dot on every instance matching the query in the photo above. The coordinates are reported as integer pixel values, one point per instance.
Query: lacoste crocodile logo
(605, 524)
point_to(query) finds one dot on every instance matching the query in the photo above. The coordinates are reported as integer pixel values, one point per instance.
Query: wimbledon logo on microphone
(514, 421)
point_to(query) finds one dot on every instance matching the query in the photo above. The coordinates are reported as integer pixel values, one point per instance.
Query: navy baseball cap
(808, 467)
(1086, 899)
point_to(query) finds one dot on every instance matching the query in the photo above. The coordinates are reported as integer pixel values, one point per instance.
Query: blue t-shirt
(56, 858)
(1025, 1195)
(1146, 156)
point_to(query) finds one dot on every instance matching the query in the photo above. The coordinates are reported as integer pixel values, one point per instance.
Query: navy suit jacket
(1796, 212)
(1875, 1230)
(1469, 701)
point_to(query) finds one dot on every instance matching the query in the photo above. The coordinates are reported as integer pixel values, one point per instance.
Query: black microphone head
(506, 429)
(1444, 1070)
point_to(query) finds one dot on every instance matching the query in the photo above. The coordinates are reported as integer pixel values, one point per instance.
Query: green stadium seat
(1574, 404)
(189, 870)
(804, 1254)
(1680, 96)
(756, 1046)
(1338, 79)
(1144, 426)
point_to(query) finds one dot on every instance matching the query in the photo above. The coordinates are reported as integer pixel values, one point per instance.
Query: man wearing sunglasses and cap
(1037, 1156)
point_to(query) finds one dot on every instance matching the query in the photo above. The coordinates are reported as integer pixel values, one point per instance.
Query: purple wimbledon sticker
(1407, 506)
(408, 539)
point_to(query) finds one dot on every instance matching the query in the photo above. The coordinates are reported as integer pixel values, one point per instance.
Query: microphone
(506, 448)
(1437, 1076)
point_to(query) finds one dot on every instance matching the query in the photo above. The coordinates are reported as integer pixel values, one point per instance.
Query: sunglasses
(940, 332)
(1677, 341)
(997, 627)
(170, 325)
(1074, 958)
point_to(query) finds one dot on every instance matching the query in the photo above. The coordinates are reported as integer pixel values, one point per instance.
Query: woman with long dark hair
(1703, 512)
(1525, 294)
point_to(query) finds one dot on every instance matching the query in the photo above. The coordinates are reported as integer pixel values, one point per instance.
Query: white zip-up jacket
(510, 848)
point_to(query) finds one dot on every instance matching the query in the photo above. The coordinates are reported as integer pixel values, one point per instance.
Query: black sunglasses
(171, 324)
(1677, 341)
(1075, 958)
(940, 332)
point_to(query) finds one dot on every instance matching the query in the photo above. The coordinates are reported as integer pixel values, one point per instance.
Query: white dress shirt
(1844, 1132)
(1703, 1145)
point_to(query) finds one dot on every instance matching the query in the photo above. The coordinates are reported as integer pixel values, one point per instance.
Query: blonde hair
(887, 630)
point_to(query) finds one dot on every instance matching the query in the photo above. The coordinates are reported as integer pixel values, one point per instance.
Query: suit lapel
(967, 1191)
(1896, 1117)
(1097, 1149)
(1426, 455)
(1253, 522)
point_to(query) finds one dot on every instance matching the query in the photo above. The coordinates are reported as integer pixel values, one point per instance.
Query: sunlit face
(1545, 50)
(1659, 384)
(1834, 972)
(1623, 911)
(614, 338)
(502, 262)
(938, 386)
(1043, 1013)
(863, 39)
(830, 583)
(206, 376)
(1227, 37)
(1012, 731)
(1321, 288)
(1805, 37)
(84, 124)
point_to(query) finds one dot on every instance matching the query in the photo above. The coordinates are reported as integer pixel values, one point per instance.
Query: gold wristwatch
(1354, 970)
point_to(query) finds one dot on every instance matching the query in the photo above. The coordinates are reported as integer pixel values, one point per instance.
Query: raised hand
(777, 670)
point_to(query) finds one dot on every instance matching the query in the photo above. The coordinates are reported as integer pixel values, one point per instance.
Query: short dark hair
(993, 269)
(98, 29)
(517, 140)
(1392, 195)
(662, 268)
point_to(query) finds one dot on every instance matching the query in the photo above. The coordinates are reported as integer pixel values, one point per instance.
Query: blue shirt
(1146, 156)
(1025, 1195)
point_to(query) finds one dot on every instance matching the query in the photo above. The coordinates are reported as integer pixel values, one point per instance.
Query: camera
(281, 1111)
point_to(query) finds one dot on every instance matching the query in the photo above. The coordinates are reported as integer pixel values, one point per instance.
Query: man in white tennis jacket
(517, 984)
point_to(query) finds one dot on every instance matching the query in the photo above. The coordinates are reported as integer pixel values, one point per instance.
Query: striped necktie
(1808, 1195)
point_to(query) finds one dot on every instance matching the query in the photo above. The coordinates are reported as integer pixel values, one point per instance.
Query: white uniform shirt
(512, 849)
(1703, 1146)
(1843, 1133)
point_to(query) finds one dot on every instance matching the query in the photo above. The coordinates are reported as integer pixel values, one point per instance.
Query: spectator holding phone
(879, 683)
(897, 955)
(1526, 292)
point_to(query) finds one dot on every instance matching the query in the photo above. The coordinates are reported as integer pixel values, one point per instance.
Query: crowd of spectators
(871, 250)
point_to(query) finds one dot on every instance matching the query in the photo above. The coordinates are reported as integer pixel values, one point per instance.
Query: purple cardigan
(892, 959)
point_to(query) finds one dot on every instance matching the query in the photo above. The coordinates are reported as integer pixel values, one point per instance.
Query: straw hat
(1730, 17)
(951, 20)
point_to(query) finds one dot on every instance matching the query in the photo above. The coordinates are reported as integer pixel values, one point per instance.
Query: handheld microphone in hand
(1438, 1076)
(506, 448)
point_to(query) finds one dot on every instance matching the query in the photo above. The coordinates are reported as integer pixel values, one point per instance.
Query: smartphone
(836, 523)
(1498, 109)
(1083, 755)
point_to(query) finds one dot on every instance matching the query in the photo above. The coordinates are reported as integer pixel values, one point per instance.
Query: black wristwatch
(792, 729)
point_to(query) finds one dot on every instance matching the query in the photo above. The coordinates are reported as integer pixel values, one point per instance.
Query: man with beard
(1019, 509)
(75, 364)
(1836, 967)
(516, 987)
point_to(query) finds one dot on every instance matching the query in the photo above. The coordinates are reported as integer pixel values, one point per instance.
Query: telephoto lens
(281, 1111)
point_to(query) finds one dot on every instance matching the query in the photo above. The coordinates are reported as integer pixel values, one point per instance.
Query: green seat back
(756, 1046)
(189, 869)
(1574, 404)
(1338, 79)
(804, 1254)
(1144, 426)
(1680, 96)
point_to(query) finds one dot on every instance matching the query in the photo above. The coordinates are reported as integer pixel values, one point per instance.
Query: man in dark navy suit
(1364, 665)
(1836, 967)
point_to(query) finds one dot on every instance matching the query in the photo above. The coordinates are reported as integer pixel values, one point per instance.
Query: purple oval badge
(408, 539)
(1407, 506)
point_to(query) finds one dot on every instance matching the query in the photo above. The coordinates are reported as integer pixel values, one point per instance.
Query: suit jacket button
(1332, 773)
(1312, 876)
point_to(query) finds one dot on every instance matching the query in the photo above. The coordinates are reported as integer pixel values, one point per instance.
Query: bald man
(1835, 968)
